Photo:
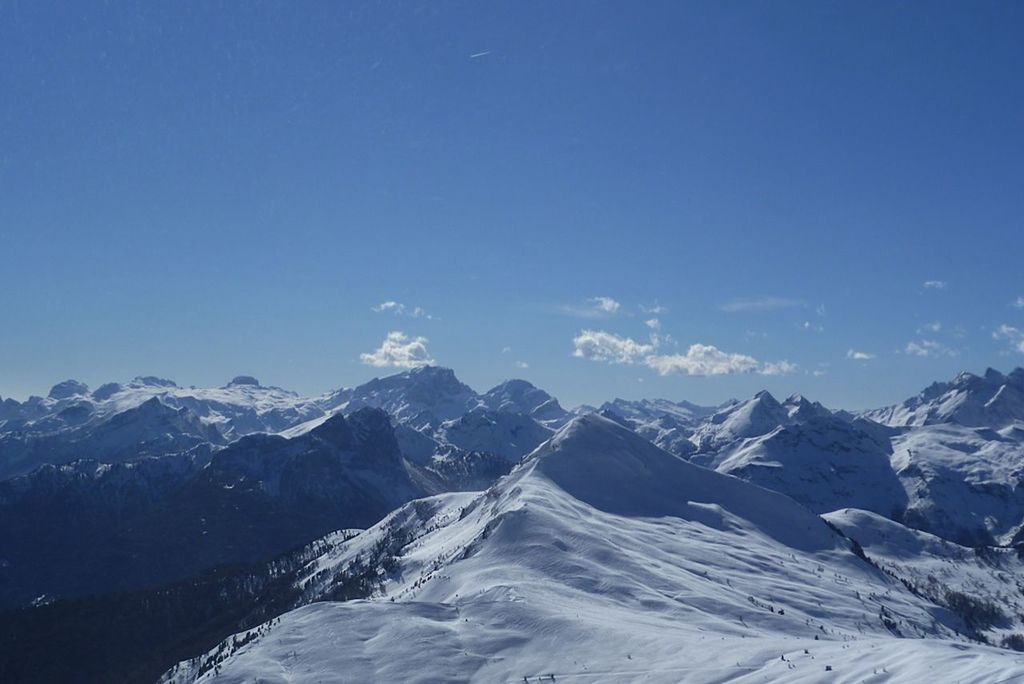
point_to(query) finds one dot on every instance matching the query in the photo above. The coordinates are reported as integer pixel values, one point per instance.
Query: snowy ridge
(991, 400)
(606, 558)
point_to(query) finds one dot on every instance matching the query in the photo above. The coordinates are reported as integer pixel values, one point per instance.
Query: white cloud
(935, 284)
(399, 309)
(656, 310)
(1018, 303)
(699, 359)
(706, 359)
(855, 355)
(702, 359)
(653, 324)
(931, 327)
(605, 304)
(813, 327)
(399, 351)
(758, 304)
(522, 364)
(389, 306)
(506, 350)
(928, 348)
(598, 345)
(1015, 336)
(819, 373)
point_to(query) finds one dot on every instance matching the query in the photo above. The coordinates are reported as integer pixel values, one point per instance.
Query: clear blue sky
(197, 190)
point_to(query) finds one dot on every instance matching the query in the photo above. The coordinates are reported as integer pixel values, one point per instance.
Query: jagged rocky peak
(153, 381)
(335, 430)
(616, 418)
(991, 400)
(68, 389)
(244, 381)
(994, 376)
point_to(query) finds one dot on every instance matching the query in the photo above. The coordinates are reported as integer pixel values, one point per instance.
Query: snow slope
(824, 463)
(605, 559)
(963, 483)
(985, 583)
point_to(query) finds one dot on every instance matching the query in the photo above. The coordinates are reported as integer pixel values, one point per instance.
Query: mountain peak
(68, 389)
(244, 381)
(994, 376)
(599, 462)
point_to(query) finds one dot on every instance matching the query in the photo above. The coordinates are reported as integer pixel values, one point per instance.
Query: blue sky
(197, 190)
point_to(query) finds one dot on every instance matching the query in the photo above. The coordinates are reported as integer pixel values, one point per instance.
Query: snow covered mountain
(645, 410)
(597, 536)
(963, 483)
(144, 417)
(991, 400)
(151, 416)
(668, 424)
(824, 463)
(956, 481)
(241, 407)
(603, 556)
(510, 435)
(150, 428)
(982, 585)
(519, 396)
(422, 397)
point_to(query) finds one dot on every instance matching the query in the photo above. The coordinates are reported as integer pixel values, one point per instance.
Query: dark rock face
(157, 520)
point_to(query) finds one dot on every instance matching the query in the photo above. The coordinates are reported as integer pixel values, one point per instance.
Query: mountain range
(652, 536)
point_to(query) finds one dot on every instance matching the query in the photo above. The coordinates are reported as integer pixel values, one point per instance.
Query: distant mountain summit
(991, 400)
(420, 397)
(519, 396)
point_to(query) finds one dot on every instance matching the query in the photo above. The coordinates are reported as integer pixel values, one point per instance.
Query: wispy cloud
(522, 365)
(399, 309)
(1008, 333)
(778, 368)
(759, 304)
(699, 359)
(653, 324)
(933, 327)
(1018, 303)
(935, 284)
(813, 327)
(656, 309)
(595, 307)
(929, 349)
(605, 304)
(855, 355)
(399, 351)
